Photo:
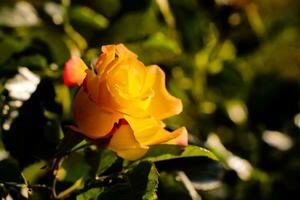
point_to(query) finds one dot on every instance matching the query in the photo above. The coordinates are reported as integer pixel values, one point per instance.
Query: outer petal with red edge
(162, 136)
(124, 143)
(181, 139)
(74, 71)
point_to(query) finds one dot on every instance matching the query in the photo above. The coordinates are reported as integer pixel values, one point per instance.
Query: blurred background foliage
(234, 63)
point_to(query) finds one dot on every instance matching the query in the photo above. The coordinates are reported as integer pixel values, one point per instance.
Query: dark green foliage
(10, 171)
(31, 120)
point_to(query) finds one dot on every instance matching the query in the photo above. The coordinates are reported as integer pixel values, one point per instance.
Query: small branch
(13, 184)
(23, 185)
(189, 186)
(40, 186)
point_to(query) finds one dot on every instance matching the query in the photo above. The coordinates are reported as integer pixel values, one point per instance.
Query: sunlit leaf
(167, 152)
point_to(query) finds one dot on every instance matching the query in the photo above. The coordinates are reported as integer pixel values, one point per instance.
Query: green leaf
(144, 181)
(167, 152)
(107, 159)
(88, 17)
(91, 194)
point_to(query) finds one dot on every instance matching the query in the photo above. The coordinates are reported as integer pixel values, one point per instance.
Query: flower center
(127, 79)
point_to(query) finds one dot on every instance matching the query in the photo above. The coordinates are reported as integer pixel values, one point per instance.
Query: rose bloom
(122, 103)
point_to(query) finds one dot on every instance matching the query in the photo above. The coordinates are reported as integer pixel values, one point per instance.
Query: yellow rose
(122, 103)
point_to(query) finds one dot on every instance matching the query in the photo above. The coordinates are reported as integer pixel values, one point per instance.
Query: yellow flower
(122, 103)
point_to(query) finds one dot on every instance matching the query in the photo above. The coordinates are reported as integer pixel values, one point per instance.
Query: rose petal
(112, 53)
(124, 143)
(144, 128)
(181, 139)
(74, 71)
(162, 136)
(98, 92)
(93, 121)
(123, 51)
(163, 104)
(124, 84)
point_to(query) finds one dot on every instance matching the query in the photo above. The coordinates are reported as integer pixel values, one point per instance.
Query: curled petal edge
(163, 104)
